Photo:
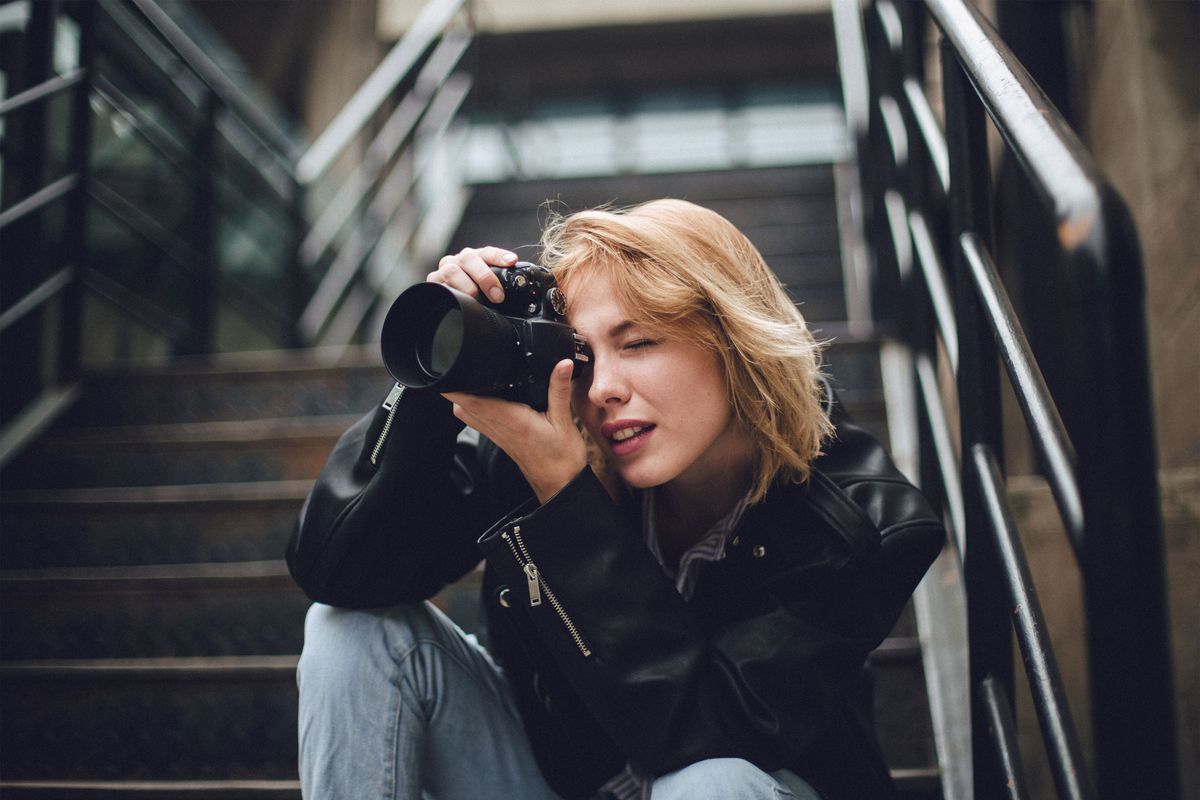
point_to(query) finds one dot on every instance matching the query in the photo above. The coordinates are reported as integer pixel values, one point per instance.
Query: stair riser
(257, 617)
(901, 710)
(80, 464)
(142, 399)
(123, 623)
(42, 537)
(149, 729)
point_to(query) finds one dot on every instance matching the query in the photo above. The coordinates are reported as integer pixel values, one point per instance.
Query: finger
(558, 397)
(477, 263)
(449, 273)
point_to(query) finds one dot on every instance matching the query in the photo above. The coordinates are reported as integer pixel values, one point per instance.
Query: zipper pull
(392, 397)
(389, 405)
(535, 589)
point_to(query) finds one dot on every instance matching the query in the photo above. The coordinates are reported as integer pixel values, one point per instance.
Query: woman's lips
(627, 435)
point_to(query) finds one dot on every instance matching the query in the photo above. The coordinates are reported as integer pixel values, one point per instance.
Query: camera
(439, 338)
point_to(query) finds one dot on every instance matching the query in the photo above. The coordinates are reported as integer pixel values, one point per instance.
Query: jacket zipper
(391, 403)
(538, 587)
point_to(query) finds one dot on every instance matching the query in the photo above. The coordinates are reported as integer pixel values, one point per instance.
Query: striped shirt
(630, 784)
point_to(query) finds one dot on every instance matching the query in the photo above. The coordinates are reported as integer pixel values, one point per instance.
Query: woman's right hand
(469, 271)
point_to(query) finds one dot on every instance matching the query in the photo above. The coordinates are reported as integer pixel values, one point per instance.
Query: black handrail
(35, 399)
(220, 144)
(929, 207)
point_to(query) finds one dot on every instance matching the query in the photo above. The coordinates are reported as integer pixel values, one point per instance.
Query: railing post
(70, 354)
(1129, 654)
(207, 280)
(991, 653)
(296, 281)
(21, 360)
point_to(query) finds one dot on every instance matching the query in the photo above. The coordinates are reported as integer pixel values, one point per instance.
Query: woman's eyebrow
(620, 329)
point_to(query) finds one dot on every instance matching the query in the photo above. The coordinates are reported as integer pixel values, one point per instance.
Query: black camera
(439, 338)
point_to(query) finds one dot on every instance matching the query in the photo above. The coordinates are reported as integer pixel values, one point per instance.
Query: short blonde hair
(686, 271)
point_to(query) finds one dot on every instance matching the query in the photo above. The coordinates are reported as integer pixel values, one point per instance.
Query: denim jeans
(400, 704)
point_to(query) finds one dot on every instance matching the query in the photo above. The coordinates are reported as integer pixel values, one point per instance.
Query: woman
(686, 564)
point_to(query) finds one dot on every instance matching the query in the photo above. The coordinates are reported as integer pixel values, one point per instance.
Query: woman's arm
(396, 510)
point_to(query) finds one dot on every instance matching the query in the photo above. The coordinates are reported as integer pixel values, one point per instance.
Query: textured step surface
(243, 387)
(159, 719)
(183, 453)
(120, 526)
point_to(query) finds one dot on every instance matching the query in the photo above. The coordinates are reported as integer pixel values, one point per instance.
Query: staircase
(149, 630)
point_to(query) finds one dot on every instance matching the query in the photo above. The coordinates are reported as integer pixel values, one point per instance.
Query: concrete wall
(1057, 580)
(1143, 125)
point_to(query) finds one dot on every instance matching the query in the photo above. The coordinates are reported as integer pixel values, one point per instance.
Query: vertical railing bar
(1045, 682)
(931, 133)
(434, 17)
(361, 243)
(70, 348)
(935, 283)
(1050, 435)
(893, 125)
(39, 199)
(395, 130)
(935, 412)
(44, 90)
(998, 712)
(978, 381)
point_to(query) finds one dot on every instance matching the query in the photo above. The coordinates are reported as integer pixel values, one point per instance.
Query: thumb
(558, 399)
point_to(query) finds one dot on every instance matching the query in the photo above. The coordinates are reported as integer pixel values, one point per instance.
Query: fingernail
(510, 257)
(496, 294)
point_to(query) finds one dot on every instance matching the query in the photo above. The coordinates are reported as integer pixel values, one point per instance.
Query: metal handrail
(943, 190)
(349, 230)
(375, 91)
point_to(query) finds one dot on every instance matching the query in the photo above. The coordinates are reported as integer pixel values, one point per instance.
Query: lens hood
(436, 337)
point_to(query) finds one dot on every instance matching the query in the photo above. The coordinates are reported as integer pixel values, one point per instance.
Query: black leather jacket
(608, 662)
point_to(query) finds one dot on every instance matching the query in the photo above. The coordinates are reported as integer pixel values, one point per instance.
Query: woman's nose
(608, 385)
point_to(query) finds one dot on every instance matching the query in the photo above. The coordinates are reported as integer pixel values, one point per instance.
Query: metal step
(185, 453)
(118, 526)
(189, 610)
(150, 719)
(267, 385)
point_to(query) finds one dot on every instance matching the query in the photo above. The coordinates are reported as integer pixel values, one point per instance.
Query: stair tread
(169, 667)
(220, 573)
(217, 431)
(249, 491)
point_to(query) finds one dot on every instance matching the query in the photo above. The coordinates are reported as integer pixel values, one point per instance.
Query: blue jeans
(400, 704)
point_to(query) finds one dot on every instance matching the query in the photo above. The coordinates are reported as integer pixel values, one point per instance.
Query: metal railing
(38, 383)
(215, 204)
(930, 224)
(366, 238)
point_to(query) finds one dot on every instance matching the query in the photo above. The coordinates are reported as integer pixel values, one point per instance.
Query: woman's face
(656, 406)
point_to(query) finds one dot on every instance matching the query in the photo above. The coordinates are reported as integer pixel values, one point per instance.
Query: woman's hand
(469, 271)
(547, 447)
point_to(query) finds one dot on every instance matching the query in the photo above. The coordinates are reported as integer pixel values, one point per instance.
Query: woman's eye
(640, 344)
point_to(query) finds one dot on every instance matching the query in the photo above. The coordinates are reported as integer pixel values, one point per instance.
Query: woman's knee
(719, 779)
(341, 643)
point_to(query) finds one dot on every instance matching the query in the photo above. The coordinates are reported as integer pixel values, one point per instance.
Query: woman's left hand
(547, 447)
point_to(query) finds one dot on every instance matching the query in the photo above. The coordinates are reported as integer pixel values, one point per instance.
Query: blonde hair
(686, 271)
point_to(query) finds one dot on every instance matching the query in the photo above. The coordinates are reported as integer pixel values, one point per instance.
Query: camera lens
(439, 343)
(439, 338)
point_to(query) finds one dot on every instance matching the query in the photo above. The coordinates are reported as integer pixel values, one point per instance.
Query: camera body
(439, 338)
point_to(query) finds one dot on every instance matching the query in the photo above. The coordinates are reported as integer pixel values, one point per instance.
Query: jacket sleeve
(764, 675)
(395, 522)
